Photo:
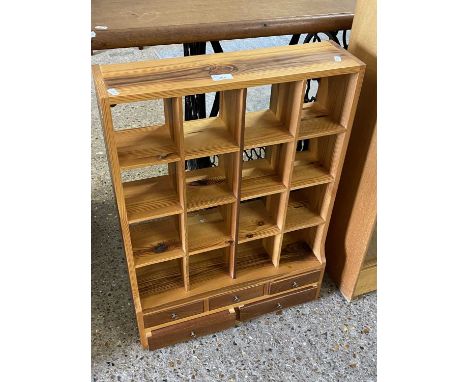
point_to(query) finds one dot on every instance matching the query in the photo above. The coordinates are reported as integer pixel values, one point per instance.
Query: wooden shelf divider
(204, 245)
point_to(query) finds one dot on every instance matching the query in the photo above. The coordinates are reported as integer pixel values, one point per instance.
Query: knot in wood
(222, 69)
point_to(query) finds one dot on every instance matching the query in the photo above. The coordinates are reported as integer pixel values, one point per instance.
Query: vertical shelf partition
(210, 246)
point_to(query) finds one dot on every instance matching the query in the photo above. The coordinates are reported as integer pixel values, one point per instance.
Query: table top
(130, 23)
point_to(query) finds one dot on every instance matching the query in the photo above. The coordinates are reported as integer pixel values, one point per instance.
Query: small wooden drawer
(194, 328)
(173, 314)
(255, 309)
(294, 282)
(236, 297)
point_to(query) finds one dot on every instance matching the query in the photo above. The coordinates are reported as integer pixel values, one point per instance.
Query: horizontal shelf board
(314, 126)
(155, 242)
(192, 75)
(145, 146)
(253, 266)
(207, 187)
(262, 128)
(293, 250)
(255, 222)
(207, 231)
(259, 179)
(150, 198)
(160, 278)
(208, 136)
(307, 173)
(299, 215)
(208, 267)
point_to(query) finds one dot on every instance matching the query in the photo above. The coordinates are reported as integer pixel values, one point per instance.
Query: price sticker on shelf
(113, 91)
(220, 77)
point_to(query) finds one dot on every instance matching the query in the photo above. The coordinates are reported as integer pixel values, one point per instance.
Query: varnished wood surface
(174, 77)
(255, 309)
(355, 212)
(140, 23)
(205, 234)
(191, 329)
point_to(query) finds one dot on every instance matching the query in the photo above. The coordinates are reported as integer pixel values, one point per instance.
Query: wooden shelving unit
(208, 247)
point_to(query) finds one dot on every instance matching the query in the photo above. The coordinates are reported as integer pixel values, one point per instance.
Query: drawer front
(236, 297)
(197, 327)
(255, 309)
(173, 314)
(294, 282)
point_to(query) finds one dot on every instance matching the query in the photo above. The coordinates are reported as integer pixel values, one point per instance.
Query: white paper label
(337, 59)
(101, 27)
(113, 91)
(220, 77)
(93, 34)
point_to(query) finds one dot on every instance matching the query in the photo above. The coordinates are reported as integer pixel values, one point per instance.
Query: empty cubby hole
(298, 246)
(211, 266)
(262, 171)
(161, 278)
(205, 136)
(210, 228)
(267, 120)
(152, 192)
(214, 185)
(313, 161)
(255, 255)
(304, 207)
(259, 218)
(152, 142)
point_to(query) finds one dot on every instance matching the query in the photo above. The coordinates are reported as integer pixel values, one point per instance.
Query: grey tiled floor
(326, 340)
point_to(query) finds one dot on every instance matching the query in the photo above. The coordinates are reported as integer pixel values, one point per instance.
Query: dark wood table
(131, 23)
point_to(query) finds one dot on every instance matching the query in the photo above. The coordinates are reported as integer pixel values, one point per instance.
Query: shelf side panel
(115, 172)
(286, 102)
(174, 121)
(342, 97)
(232, 111)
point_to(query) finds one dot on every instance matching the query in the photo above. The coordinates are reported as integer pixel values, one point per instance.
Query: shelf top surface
(175, 77)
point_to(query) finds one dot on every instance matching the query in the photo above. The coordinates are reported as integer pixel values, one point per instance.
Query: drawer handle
(279, 306)
(174, 316)
(193, 335)
(295, 284)
(236, 299)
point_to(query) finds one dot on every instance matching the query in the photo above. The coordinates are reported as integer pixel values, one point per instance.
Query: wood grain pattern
(145, 146)
(173, 314)
(191, 75)
(255, 221)
(262, 128)
(300, 215)
(142, 23)
(308, 172)
(235, 297)
(294, 282)
(249, 311)
(204, 235)
(207, 187)
(155, 241)
(195, 328)
(205, 137)
(151, 198)
(260, 178)
(207, 230)
(355, 211)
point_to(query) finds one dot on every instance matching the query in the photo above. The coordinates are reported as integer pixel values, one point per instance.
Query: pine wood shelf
(205, 137)
(212, 245)
(263, 128)
(145, 146)
(151, 198)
